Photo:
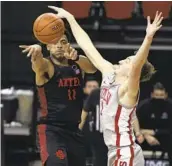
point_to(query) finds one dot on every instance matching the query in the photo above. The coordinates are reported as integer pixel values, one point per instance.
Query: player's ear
(166, 95)
(48, 47)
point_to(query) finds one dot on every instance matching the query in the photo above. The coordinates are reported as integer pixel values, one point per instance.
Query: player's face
(124, 66)
(159, 94)
(90, 86)
(59, 48)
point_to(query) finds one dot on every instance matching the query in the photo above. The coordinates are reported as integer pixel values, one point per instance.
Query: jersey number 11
(72, 94)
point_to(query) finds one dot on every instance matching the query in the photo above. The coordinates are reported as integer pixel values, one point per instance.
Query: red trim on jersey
(117, 126)
(132, 155)
(130, 137)
(129, 126)
(43, 101)
(118, 113)
(118, 157)
(43, 143)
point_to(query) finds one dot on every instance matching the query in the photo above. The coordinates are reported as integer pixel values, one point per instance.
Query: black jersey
(61, 98)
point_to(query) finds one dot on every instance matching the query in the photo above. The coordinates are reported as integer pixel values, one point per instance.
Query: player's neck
(58, 61)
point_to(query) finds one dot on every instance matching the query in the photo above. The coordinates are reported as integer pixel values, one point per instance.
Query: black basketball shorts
(60, 147)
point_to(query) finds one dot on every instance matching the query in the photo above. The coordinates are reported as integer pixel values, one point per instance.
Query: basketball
(48, 28)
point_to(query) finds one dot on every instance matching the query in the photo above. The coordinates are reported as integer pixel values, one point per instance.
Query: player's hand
(31, 50)
(61, 12)
(151, 140)
(140, 138)
(70, 53)
(155, 26)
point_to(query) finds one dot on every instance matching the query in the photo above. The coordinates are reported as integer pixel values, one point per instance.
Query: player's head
(58, 49)
(90, 84)
(159, 91)
(124, 67)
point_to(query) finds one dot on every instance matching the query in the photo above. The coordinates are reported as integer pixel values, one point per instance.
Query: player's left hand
(155, 26)
(61, 12)
(70, 53)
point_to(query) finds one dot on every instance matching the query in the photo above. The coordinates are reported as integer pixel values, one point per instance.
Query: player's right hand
(155, 25)
(31, 50)
(61, 12)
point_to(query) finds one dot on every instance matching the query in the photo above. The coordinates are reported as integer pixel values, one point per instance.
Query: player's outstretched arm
(142, 54)
(39, 64)
(85, 42)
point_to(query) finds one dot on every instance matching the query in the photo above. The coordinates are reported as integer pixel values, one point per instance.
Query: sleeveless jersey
(116, 120)
(61, 98)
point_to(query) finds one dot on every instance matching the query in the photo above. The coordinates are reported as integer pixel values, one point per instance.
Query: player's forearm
(136, 127)
(143, 52)
(84, 42)
(83, 119)
(86, 65)
(37, 62)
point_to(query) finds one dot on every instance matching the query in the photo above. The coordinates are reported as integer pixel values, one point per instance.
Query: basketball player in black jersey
(60, 87)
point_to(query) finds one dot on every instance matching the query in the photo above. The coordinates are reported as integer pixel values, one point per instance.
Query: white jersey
(116, 120)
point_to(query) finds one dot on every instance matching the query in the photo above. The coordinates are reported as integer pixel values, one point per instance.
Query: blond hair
(147, 72)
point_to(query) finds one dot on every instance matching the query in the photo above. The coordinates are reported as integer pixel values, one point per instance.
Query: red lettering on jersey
(65, 82)
(60, 83)
(123, 163)
(76, 81)
(69, 82)
(105, 95)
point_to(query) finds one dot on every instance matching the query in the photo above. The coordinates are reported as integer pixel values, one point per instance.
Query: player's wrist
(77, 58)
(149, 37)
(70, 18)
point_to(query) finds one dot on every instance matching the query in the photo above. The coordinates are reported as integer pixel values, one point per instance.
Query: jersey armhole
(46, 75)
(123, 105)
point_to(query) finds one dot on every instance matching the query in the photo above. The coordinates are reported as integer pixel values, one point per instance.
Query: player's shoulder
(108, 78)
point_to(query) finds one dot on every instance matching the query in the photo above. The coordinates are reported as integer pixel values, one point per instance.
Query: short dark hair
(159, 86)
(147, 72)
(90, 78)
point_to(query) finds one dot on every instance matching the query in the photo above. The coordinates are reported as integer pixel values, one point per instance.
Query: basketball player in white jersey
(119, 91)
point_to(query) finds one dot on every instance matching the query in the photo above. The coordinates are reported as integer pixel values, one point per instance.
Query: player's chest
(68, 77)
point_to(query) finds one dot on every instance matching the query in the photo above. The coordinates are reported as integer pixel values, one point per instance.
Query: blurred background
(117, 30)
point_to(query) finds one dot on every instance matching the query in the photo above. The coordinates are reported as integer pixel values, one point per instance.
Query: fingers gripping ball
(48, 28)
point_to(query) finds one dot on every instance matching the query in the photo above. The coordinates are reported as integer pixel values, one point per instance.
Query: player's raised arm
(38, 62)
(142, 54)
(85, 42)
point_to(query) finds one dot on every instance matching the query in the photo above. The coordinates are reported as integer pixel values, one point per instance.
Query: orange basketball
(48, 28)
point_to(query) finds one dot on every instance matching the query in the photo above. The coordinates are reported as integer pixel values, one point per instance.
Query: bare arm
(136, 127)
(86, 65)
(39, 64)
(138, 134)
(83, 119)
(142, 54)
(84, 42)
(83, 61)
